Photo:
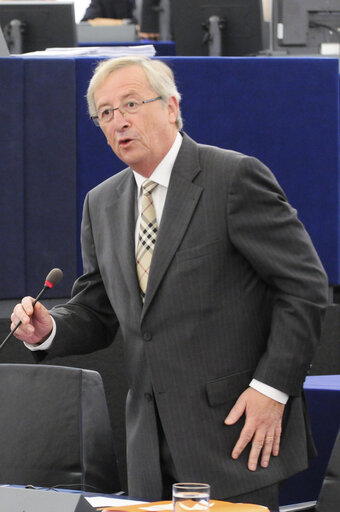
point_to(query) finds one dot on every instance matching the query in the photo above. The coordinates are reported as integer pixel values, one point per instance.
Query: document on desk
(98, 51)
(101, 501)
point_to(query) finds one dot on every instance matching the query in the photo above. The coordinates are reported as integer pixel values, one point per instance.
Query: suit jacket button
(147, 336)
(148, 397)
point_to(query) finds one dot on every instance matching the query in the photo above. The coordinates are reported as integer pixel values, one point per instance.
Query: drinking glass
(190, 497)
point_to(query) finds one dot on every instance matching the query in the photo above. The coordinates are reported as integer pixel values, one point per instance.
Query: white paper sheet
(101, 501)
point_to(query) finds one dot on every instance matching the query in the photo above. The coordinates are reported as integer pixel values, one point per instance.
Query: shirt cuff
(273, 393)
(45, 345)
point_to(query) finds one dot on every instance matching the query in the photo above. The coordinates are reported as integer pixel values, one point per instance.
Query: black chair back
(329, 498)
(55, 429)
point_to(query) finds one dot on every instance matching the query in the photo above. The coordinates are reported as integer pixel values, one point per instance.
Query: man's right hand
(36, 323)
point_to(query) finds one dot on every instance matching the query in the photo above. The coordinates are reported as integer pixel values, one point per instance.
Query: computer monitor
(238, 23)
(30, 26)
(3, 46)
(303, 26)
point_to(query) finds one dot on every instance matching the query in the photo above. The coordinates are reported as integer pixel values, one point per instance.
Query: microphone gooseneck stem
(40, 294)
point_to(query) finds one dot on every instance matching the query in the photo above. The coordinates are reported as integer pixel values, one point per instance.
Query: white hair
(159, 75)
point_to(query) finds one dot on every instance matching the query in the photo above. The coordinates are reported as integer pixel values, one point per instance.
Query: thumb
(39, 308)
(41, 317)
(236, 412)
(38, 311)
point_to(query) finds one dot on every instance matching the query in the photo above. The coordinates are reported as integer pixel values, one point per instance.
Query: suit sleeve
(87, 322)
(267, 231)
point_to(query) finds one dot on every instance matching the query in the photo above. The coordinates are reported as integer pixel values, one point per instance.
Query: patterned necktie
(147, 236)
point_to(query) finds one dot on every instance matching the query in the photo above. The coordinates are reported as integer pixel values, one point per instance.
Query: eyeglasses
(105, 115)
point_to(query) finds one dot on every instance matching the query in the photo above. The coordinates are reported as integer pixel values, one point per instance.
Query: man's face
(142, 139)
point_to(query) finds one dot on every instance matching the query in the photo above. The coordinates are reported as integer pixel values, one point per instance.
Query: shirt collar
(162, 173)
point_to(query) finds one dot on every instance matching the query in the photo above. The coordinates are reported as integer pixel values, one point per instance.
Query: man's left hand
(262, 428)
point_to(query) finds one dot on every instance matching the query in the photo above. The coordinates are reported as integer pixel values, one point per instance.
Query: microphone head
(53, 277)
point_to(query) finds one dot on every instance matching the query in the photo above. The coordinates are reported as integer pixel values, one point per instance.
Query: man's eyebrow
(103, 104)
(124, 97)
(132, 93)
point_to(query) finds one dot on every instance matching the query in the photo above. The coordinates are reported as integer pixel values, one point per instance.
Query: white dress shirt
(161, 175)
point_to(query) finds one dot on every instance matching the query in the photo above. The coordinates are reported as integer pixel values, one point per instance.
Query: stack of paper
(96, 51)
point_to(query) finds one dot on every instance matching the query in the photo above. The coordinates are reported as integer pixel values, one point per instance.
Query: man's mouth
(125, 142)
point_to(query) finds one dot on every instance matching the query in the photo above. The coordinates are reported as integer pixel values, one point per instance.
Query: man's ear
(173, 109)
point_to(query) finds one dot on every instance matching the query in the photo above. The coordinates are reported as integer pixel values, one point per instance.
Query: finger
(267, 450)
(27, 305)
(14, 320)
(19, 315)
(21, 327)
(243, 441)
(23, 332)
(277, 440)
(23, 311)
(258, 445)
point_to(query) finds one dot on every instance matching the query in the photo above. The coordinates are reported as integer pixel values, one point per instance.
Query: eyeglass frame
(95, 118)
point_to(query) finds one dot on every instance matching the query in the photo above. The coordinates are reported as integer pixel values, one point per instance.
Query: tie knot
(148, 186)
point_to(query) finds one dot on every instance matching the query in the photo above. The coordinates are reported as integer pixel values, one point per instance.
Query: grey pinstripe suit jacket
(236, 290)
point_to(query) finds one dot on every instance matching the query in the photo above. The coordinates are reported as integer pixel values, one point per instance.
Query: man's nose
(119, 119)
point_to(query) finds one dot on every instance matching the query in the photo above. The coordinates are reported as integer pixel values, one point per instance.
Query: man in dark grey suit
(220, 334)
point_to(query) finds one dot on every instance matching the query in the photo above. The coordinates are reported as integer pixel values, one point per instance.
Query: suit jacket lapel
(121, 213)
(179, 207)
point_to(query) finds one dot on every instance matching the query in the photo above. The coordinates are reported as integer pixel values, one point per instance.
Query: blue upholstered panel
(283, 111)
(12, 263)
(50, 172)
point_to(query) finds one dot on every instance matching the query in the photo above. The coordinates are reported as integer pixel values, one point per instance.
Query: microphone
(52, 279)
